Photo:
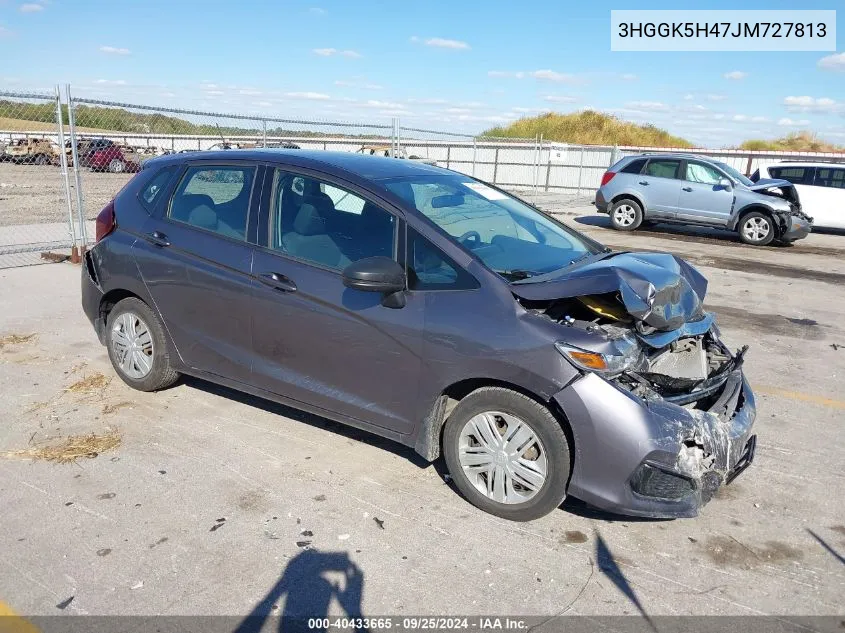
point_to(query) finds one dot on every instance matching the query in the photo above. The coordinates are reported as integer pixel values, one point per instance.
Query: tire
(756, 228)
(131, 316)
(41, 159)
(518, 414)
(116, 166)
(626, 215)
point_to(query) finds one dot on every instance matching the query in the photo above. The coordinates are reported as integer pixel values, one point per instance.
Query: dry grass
(90, 384)
(588, 128)
(796, 142)
(72, 448)
(17, 339)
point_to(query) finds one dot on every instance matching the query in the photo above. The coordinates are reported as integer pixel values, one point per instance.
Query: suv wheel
(626, 215)
(756, 228)
(137, 348)
(507, 454)
(116, 166)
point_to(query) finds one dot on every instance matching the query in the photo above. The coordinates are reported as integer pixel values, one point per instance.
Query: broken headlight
(627, 355)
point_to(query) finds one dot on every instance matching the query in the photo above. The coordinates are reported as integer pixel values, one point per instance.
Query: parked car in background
(697, 190)
(30, 151)
(111, 158)
(821, 187)
(389, 152)
(430, 308)
(86, 148)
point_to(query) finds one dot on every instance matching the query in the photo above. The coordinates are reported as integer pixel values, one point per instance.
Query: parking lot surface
(199, 500)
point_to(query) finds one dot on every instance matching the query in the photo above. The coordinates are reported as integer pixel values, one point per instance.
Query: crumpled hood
(768, 183)
(659, 289)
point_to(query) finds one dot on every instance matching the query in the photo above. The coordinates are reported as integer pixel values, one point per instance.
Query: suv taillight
(105, 221)
(607, 177)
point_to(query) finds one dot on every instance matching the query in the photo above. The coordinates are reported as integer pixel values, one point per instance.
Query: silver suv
(696, 190)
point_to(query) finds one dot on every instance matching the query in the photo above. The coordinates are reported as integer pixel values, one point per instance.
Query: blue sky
(460, 65)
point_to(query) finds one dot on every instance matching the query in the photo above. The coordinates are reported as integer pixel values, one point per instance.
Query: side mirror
(375, 274)
(726, 184)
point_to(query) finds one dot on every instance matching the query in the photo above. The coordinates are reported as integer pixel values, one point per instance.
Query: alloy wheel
(756, 228)
(624, 215)
(502, 457)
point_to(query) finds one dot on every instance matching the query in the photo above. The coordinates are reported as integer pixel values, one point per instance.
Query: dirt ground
(199, 500)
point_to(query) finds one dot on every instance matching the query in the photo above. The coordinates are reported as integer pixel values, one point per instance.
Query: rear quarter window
(151, 192)
(634, 167)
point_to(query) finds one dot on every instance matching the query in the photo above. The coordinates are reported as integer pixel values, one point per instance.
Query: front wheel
(507, 454)
(756, 228)
(626, 215)
(116, 166)
(137, 347)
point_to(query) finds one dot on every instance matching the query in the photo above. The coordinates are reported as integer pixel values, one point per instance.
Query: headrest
(204, 217)
(311, 218)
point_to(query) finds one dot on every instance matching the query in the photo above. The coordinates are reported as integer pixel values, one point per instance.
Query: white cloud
(559, 99)
(714, 97)
(317, 11)
(249, 92)
(4, 32)
(786, 122)
(429, 101)
(688, 97)
(736, 75)
(215, 93)
(358, 84)
(111, 82)
(544, 75)
(629, 77)
(811, 104)
(31, 7)
(650, 106)
(506, 73)
(391, 105)
(112, 50)
(329, 52)
(833, 62)
(310, 96)
(440, 42)
(551, 75)
(458, 110)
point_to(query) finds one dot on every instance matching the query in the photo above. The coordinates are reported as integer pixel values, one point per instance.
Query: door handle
(686, 188)
(644, 182)
(158, 238)
(277, 281)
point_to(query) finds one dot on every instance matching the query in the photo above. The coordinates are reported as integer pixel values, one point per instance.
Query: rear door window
(663, 168)
(214, 198)
(830, 177)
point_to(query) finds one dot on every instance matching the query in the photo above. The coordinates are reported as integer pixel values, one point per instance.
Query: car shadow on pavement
(308, 585)
(668, 231)
(307, 418)
(584, 510)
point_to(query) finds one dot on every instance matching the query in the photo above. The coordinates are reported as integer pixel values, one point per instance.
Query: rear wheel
(756, 228)
(507, 454)
(137, 347)
(626, 215)
(116, 166)
(41, 159)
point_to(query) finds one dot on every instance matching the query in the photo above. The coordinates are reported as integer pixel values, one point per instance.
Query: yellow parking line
(803, 397)
(11, 622)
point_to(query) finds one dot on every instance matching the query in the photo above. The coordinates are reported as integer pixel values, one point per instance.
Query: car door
(660, 186)
(828, 198)
(702, 197)
(315, 340)
(196, 261)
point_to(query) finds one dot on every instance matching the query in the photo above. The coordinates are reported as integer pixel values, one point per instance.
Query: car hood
(769, 183)
(662, 291)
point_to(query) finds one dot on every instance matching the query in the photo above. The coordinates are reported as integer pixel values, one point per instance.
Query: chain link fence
(36, 214)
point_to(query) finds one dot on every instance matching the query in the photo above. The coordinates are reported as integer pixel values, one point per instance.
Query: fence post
(495, 165)
(580, 171)
(264, 126)
(80, 204)
(74, 251)
(474, 150)
(548, 169)
(448, 154)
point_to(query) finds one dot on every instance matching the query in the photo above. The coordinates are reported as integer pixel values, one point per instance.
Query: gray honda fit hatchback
(430, 308)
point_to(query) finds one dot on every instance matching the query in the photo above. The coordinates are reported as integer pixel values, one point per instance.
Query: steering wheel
(474, 235)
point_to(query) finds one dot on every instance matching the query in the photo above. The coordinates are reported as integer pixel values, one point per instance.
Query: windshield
(510, 237)
(733, 173)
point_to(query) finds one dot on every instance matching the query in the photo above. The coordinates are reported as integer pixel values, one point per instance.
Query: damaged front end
(668, 411)
(792, 222)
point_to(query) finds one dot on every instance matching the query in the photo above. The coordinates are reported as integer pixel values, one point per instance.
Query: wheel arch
(754, 206)
(428, 442)
(627, 195)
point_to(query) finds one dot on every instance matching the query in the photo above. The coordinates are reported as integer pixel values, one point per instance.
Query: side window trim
(267, 212)
(176, 183)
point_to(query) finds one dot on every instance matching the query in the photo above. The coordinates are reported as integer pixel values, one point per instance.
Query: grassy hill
(589, 128)
(796, 142)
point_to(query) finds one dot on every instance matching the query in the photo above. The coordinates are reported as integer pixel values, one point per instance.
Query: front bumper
(655, 459)
(796, 228)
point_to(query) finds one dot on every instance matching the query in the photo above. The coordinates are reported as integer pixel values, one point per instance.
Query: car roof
(688, 156)
(342, 163)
